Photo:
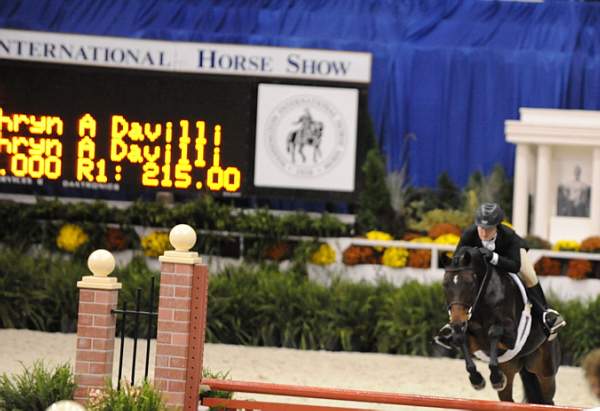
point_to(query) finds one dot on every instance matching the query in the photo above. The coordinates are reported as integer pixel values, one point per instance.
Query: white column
(541, 211)
(595, 200)
(520, 191)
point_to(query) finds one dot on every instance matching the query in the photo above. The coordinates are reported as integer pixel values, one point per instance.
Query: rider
(501, 246)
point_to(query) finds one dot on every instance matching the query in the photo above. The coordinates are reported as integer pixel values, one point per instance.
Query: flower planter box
(560, 287)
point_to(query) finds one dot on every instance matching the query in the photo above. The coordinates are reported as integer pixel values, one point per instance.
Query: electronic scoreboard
(119, 133)
(66, 130)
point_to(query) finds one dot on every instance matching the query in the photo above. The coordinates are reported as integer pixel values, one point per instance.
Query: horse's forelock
(463, 258)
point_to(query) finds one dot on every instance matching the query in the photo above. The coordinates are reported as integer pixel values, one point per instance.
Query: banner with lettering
(207, 58)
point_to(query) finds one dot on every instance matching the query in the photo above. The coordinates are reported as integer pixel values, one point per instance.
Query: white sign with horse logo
(306, 137)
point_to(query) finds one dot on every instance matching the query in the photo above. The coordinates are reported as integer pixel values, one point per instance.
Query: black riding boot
(551, 319)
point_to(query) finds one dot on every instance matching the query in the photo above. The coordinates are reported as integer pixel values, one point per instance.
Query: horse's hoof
(499, 385)
(477, 381)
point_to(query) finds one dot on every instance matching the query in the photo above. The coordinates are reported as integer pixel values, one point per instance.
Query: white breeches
(527, 272)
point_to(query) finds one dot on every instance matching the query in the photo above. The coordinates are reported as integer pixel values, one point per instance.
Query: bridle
(480, 291)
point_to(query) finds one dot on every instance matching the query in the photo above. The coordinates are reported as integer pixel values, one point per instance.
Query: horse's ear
(445, 260)
(465, 259)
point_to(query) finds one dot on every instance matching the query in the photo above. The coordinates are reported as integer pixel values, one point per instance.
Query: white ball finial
(65, 405)
(101, 263)
(182, 237)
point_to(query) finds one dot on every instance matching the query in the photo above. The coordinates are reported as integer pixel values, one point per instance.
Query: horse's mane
(467, 258)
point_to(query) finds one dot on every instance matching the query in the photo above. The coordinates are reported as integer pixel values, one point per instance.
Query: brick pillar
(181, 321)
(96, 325)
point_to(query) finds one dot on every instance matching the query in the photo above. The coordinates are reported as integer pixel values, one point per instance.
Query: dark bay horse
(485, 306)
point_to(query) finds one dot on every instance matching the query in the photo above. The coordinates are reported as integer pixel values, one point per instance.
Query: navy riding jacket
(508, 246)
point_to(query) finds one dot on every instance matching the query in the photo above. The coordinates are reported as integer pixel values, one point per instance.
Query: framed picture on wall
(573, 192)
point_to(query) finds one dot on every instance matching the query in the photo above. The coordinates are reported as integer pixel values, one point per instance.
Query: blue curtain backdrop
(448, 72)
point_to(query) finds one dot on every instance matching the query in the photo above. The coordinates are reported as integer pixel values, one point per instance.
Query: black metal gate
(136, 313)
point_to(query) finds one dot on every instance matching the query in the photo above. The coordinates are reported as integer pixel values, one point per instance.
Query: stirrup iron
(447, 331)
(558, 324)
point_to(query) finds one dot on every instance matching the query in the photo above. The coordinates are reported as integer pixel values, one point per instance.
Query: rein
(483, 286)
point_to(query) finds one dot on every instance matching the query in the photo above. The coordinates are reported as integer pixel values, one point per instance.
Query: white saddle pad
(522, 331)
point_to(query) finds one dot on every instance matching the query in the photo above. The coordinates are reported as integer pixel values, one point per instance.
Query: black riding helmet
(489, 215)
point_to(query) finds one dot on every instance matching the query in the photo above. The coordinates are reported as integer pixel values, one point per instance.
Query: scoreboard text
(105, 133)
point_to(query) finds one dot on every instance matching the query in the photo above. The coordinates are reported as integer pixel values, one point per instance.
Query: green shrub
(374, 210)
(538, 242)
(20, 229)
(409, 319)
(36, 388)
(352, 318)
(259, 304)
(218, 375)
(262, 306)
(459, 218)
(38, 290)
(25, 225)
(143, 397)
(582, 333)
(448, 193)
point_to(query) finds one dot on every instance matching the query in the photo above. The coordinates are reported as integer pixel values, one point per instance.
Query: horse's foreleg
(302, 153)
(543, 364)
(291, 145)
(497, 377)
(316, 153)
(475, 377)
(507, 393)
(548, 389)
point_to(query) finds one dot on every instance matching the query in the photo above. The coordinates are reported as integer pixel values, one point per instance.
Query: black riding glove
(486, 254)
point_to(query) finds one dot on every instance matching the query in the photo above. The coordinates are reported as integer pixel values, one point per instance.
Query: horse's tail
(531, 387)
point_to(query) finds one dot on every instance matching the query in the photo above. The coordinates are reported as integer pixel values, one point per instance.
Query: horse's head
(317, 129)
(462, 281)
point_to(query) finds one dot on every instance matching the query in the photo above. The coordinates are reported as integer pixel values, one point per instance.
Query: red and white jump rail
(348, 395)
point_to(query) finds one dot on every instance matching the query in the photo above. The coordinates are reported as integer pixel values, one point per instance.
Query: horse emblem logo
(306, 135)
(309, 134)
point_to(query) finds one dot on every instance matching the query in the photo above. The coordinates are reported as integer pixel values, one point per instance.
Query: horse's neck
(498, 298)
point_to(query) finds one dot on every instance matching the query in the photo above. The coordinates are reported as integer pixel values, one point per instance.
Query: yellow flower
(155, 243)
(566, 245)
(422, 240)
(395, 257)
(451, 239)
(71, 237)
(324, 255)
(379, 235)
